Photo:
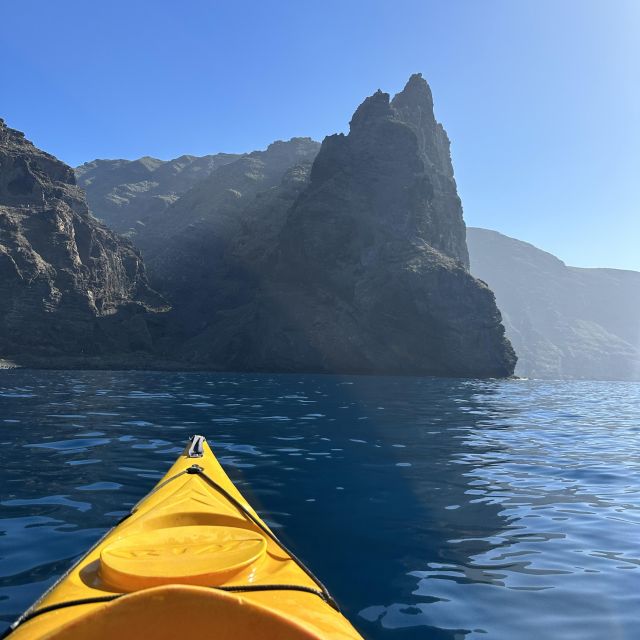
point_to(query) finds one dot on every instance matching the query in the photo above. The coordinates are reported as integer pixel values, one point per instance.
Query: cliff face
(563, 321)
(127, 195)
(68, 286)
(363, 268)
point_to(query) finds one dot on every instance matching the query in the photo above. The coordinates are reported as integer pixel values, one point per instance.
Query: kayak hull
(192, 556)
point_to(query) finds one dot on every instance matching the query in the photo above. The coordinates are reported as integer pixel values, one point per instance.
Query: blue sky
(541, 98)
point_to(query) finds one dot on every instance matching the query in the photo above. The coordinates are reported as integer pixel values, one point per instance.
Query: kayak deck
(192, 557)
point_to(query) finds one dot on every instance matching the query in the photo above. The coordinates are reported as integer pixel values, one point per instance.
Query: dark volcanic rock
(361, 268)
(129, 194)
(564, 322)
(69, 287)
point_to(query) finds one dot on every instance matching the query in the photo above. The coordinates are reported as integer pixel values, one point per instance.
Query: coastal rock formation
(564, 322)
(127, 195)
(69, 287)
(345, 257)
(359, 268)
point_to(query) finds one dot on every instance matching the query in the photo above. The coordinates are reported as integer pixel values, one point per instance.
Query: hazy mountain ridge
(223, 193)
(564, 322)
(127, 194)
(207, 251)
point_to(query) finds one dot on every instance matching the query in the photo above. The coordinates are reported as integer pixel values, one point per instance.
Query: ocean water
(430, 508)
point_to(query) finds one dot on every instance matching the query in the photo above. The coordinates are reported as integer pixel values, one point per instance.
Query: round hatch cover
(197, 555)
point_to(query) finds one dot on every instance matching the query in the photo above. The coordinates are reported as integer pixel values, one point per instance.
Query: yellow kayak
(191, 560)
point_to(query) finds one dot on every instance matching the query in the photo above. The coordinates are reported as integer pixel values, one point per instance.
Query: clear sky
(541, 98)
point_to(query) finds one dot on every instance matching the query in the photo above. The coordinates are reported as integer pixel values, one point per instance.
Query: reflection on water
(431, 508)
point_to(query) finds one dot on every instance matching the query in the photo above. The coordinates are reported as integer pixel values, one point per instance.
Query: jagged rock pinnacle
(373, 107)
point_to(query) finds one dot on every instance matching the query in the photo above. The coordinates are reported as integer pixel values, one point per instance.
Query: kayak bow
(192, 559)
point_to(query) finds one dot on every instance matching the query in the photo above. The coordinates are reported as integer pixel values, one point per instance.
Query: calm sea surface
(431, 508)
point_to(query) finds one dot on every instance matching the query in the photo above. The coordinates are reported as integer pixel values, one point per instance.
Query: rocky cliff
(127, 195)
(345, 257)
(69, 287)
(358, 266)
(564, 322)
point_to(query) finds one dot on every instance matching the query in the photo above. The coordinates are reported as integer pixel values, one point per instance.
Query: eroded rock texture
(69, 287)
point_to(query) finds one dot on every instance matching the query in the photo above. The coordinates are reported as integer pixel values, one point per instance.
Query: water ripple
(442, 509)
